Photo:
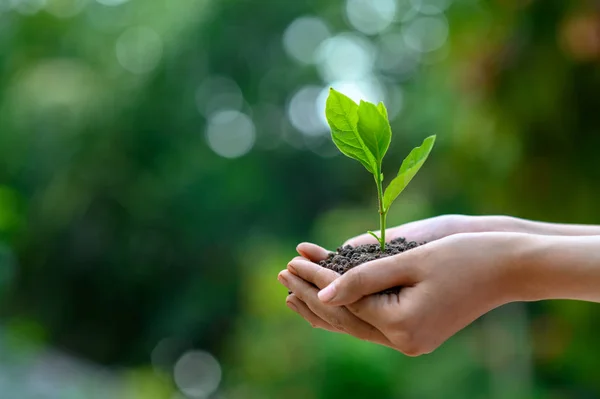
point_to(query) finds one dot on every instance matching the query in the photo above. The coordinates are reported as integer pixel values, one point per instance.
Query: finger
(300, 307)
(339, 318)
(311, 272)
(371, 277)
(312, 252)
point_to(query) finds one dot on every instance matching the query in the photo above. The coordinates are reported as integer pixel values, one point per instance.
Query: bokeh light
(197, 374)
(426, 34)
(216, 93)
(139, 49)
(303, 36)
(230, 133)
(304, 111)
(346, 56)
(370, 16)
(395, 57)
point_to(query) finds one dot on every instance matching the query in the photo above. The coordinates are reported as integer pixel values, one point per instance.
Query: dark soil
(347, 257)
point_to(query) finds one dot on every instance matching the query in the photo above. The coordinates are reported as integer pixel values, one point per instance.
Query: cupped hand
(434, 228)
(447, 284)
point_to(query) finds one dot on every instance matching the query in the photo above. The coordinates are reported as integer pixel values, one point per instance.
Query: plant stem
(382, 212)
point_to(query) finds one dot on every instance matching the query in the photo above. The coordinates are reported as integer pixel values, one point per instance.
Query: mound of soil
(347, 257)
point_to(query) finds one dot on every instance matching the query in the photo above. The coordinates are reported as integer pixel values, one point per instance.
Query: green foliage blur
(159, 160)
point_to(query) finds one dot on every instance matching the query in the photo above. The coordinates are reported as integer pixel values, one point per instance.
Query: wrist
(517, 265)
(555, 267)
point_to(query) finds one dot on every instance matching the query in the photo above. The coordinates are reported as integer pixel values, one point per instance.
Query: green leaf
(374, 129)
(410, 166)
(382, 110)
(374, 235)
(342, 117)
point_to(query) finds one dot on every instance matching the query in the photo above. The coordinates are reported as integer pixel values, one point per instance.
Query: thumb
(370, 278)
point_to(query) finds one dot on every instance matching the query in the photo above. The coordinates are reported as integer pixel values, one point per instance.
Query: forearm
(517, 225)
(556, 267)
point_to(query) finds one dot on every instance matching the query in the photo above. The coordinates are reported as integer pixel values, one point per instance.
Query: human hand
(447, 284)
(434, 228)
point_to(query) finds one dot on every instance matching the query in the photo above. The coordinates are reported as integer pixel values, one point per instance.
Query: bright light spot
(65, 8)
(430, 7)
(230, 133)
(303, 36)
(426, 34)
(345, 57)
(370, 16)
(303, 111)
(216, 93)
(139, 49)
(28, 7)
(395, 56)
(368, 90)
(112, 3)
(197, 374)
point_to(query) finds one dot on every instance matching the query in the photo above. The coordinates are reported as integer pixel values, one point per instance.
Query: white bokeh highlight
(370, 16)
(395, 57)
(426, 33)
(216, 93)
(346, 56)
(197, 374)
(139, 49)
(303, 36)
(304, 111)
(230, 133)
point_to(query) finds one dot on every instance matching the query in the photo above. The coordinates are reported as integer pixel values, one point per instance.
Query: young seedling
(363, 132)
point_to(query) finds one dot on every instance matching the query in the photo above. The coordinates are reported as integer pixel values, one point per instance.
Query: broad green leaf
(410, 166)
(382, 110)
(342, 116)
(374, 129)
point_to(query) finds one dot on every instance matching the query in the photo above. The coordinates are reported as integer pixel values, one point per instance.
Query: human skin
(470, 266)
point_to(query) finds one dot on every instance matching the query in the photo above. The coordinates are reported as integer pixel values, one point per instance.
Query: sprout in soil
(363, 132)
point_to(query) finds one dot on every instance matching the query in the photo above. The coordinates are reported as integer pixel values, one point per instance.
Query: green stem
(382, 212)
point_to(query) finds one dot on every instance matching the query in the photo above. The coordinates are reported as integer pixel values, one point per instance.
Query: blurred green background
(160, 159)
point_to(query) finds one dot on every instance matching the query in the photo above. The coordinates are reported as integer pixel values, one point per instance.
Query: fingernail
(327, 293)
(292, 306)
(282, 279)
